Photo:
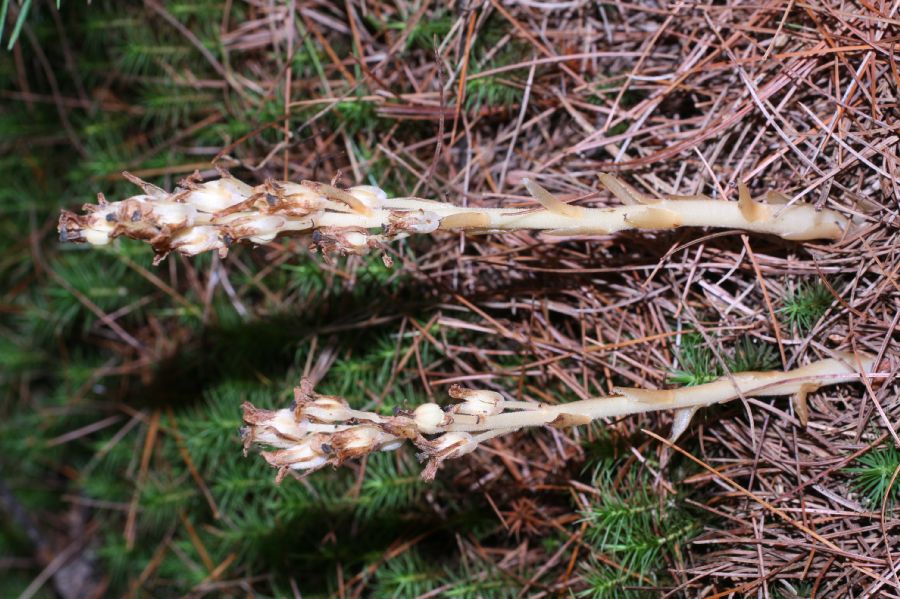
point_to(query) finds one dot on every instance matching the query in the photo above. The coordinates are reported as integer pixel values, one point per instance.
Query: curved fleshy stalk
(319, 430)
(203, 216)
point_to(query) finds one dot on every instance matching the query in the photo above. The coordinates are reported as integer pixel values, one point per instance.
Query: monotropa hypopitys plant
(320, 430)
(203, 216)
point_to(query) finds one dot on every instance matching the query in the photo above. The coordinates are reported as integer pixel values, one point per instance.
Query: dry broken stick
(320, 430)
(203, 216)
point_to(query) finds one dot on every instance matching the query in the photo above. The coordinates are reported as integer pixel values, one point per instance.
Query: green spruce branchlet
(203, 216)
(323, 430)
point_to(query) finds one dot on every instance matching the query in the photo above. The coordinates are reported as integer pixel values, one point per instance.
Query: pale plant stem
(804, 222)
(634, 401)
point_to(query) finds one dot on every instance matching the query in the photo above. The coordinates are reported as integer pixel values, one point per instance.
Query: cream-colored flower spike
(202, 216)
(321, 430)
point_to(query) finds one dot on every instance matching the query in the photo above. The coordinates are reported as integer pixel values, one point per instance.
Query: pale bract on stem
(203, 216)
(323, 430)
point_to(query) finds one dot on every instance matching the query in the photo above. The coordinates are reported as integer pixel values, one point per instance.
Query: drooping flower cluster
(204, 216)
(319, 430)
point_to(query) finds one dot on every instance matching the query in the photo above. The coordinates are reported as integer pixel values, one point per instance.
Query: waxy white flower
(326, 409)
(295, 198)
(217, 195)
(392, 445)
(453, 445)
(173, 213)
(96, 236)
(369, 195)
(95, 227)
(362, 437)
(415, 221)
(476, 402)
(305, 455)
(358, 441)
(197, 240)
(284, 425)
(429, 417)
(276, 428)
(356, 240)
(257, 228)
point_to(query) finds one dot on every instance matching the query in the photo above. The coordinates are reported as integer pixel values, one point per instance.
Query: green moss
(749, 355)
(803, 307)
(407, 575)
(629, 521)
(873, 476)
(699, 365)
(422, 33)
